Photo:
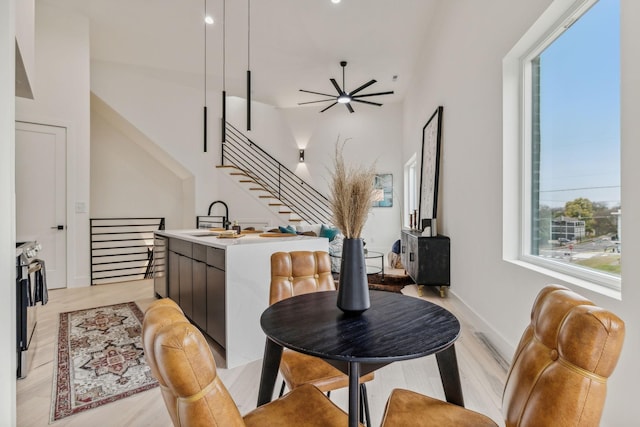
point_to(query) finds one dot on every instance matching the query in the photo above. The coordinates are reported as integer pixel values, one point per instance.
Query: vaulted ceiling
(294, 44)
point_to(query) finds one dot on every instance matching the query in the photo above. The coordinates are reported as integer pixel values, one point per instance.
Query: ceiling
(294, 44)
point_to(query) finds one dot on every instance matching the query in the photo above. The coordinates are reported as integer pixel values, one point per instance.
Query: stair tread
(259, 184)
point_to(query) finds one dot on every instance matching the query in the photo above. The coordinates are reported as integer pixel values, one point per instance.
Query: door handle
(58, 227)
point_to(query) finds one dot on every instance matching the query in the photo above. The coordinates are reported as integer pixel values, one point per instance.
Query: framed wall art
(430, 167)
(383, 191)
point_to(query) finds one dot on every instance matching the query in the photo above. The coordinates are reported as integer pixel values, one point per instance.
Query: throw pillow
(287, 229)
(328, 232)
(335, 252)
(302, 228)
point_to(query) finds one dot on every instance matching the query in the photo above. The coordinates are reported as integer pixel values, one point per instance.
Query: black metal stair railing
(280, 182)
(122, 248)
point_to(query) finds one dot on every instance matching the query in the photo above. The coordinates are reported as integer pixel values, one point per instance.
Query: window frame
(410, 188)
(517, 153)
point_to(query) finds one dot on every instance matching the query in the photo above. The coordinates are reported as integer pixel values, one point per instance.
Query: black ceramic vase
(353, 290)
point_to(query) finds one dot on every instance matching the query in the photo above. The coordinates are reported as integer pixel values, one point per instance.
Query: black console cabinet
(426, 259)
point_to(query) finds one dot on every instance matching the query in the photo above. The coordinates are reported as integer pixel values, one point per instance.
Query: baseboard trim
(497, 345)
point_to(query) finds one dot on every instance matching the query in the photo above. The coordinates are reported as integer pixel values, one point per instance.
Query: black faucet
(225, 218)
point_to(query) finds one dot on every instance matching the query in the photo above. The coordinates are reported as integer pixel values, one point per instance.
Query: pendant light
(248, 65)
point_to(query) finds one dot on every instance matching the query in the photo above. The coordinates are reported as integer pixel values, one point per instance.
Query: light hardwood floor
(481, 372)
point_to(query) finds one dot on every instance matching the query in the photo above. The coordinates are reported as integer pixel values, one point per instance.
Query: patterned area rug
(100, 358)
(390, 283)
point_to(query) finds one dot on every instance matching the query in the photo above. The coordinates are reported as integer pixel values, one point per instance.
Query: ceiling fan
(345, 97)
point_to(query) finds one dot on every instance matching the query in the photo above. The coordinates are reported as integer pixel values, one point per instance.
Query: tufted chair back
(299, 272)
(161, 313)
(180, 358)
(559, 372)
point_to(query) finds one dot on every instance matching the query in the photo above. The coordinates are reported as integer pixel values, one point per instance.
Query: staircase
(274, 185)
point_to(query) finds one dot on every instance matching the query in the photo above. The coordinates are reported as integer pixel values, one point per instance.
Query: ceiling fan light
(344, 99)
(208, 19)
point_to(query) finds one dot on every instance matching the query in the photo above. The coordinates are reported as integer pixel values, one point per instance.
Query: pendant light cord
(204, 109)
(224, 45)
(205, 54)
(249, 35)
(248, 65)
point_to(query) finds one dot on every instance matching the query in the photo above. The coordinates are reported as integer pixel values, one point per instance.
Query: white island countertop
(211, 238)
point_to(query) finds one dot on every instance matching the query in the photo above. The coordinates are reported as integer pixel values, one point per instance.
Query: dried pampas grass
(351, 194)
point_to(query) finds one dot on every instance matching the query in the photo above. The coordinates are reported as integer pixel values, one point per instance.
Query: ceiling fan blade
(349, 107)
(335, 84)
(366, 102)
(373, 94)
(314, 102)
(322, 111)
(317, 93)
(364, 86)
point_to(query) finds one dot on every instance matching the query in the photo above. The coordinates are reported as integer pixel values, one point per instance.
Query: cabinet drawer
(199, 252)
(215, 258)
(181, 247)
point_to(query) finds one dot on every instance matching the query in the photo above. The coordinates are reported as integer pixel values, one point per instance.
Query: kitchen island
(222, 284)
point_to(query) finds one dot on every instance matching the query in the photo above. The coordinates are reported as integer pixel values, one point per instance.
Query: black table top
(396, 327)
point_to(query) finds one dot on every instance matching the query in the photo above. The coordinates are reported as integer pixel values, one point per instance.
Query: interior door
(41, 195)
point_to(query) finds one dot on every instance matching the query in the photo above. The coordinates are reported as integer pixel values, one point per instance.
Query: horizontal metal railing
(122, 248)
(275, 178)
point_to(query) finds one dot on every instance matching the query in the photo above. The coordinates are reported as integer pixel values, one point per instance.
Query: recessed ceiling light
(208, 19)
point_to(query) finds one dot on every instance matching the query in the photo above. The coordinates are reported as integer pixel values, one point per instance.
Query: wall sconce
(301, 156)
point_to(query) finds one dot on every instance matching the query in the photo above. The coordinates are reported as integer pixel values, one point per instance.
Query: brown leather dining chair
(181, 360)
(297, 273)
(558, 376)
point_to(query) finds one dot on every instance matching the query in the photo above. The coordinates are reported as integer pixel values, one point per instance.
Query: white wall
(127, 182)
(7, 214)
(167, 109)
(25, 37)
(461, 69)
(61, 98)
(375, 134)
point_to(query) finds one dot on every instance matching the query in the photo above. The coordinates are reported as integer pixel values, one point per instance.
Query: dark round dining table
(396, 327)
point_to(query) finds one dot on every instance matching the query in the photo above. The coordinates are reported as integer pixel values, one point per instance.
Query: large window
(569, 133)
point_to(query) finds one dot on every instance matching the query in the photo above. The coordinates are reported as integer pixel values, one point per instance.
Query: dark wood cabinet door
(186, 286)
(216, 305)
(199, 287)
(174, 277)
